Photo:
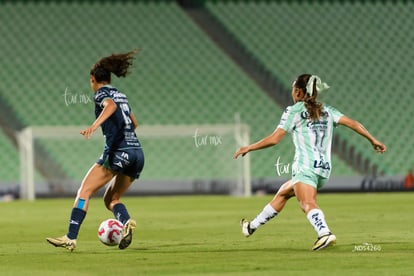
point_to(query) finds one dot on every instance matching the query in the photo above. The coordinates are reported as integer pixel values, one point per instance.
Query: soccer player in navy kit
(122, 160)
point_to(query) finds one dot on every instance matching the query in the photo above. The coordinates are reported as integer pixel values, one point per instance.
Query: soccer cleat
(64, 242)
(127, 232)
(324, 241)
(246, 230)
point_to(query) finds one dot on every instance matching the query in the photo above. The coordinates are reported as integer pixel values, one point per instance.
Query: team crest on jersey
(305, 115)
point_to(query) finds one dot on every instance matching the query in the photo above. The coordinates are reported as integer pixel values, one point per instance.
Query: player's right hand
(87, 133)
(378, 146)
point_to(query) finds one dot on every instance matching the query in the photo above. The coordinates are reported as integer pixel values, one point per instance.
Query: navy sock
(121, 213)
(76, 219)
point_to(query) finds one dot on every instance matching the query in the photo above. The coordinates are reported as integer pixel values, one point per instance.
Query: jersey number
(125, 114)
(319, 138)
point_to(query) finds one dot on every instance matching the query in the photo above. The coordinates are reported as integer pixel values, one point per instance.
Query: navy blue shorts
(125, 161)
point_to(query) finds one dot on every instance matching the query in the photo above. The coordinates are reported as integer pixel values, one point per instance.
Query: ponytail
(313, 107)
(311, 85)
(118, 64)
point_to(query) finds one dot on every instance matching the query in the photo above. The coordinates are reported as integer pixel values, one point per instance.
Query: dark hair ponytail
(118, 64)
(313, 107)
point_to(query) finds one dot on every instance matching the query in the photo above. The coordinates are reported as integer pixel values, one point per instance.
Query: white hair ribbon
(320, 86)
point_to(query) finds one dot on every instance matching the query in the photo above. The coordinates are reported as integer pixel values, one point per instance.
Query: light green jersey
(312, 139)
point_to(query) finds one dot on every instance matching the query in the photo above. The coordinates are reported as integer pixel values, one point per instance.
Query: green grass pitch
(200, 235)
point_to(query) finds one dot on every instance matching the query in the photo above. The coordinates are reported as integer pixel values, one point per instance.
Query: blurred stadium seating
(182, 77)
(361, 48)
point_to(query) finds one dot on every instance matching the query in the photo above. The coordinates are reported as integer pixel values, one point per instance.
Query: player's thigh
(96, 178)
(286, 190)
(118, 187)
(306, 195)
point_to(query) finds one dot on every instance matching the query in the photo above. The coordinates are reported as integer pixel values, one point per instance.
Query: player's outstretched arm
(109, 107)
(360, 129)
(268, 141)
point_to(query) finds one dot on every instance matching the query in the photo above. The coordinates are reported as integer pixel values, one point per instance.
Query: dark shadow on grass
(197, 248)
(207, 248)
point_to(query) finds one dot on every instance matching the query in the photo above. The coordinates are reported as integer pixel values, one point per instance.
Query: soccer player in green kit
(311, 125)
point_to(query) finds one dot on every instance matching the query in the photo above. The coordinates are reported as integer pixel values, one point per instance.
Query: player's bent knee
(86, 191)
(289, 195)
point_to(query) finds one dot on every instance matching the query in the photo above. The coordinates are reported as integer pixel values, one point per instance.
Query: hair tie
(320, 86)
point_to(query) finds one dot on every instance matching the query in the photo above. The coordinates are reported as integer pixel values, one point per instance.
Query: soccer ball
(110, 232)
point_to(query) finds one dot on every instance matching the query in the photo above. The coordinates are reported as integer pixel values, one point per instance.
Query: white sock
(264, 216)
(317, 219)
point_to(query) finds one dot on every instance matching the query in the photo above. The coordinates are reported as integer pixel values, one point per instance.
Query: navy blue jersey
(118, 128)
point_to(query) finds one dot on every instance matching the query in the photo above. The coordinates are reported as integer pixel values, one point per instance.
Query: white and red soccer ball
(110, 232)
